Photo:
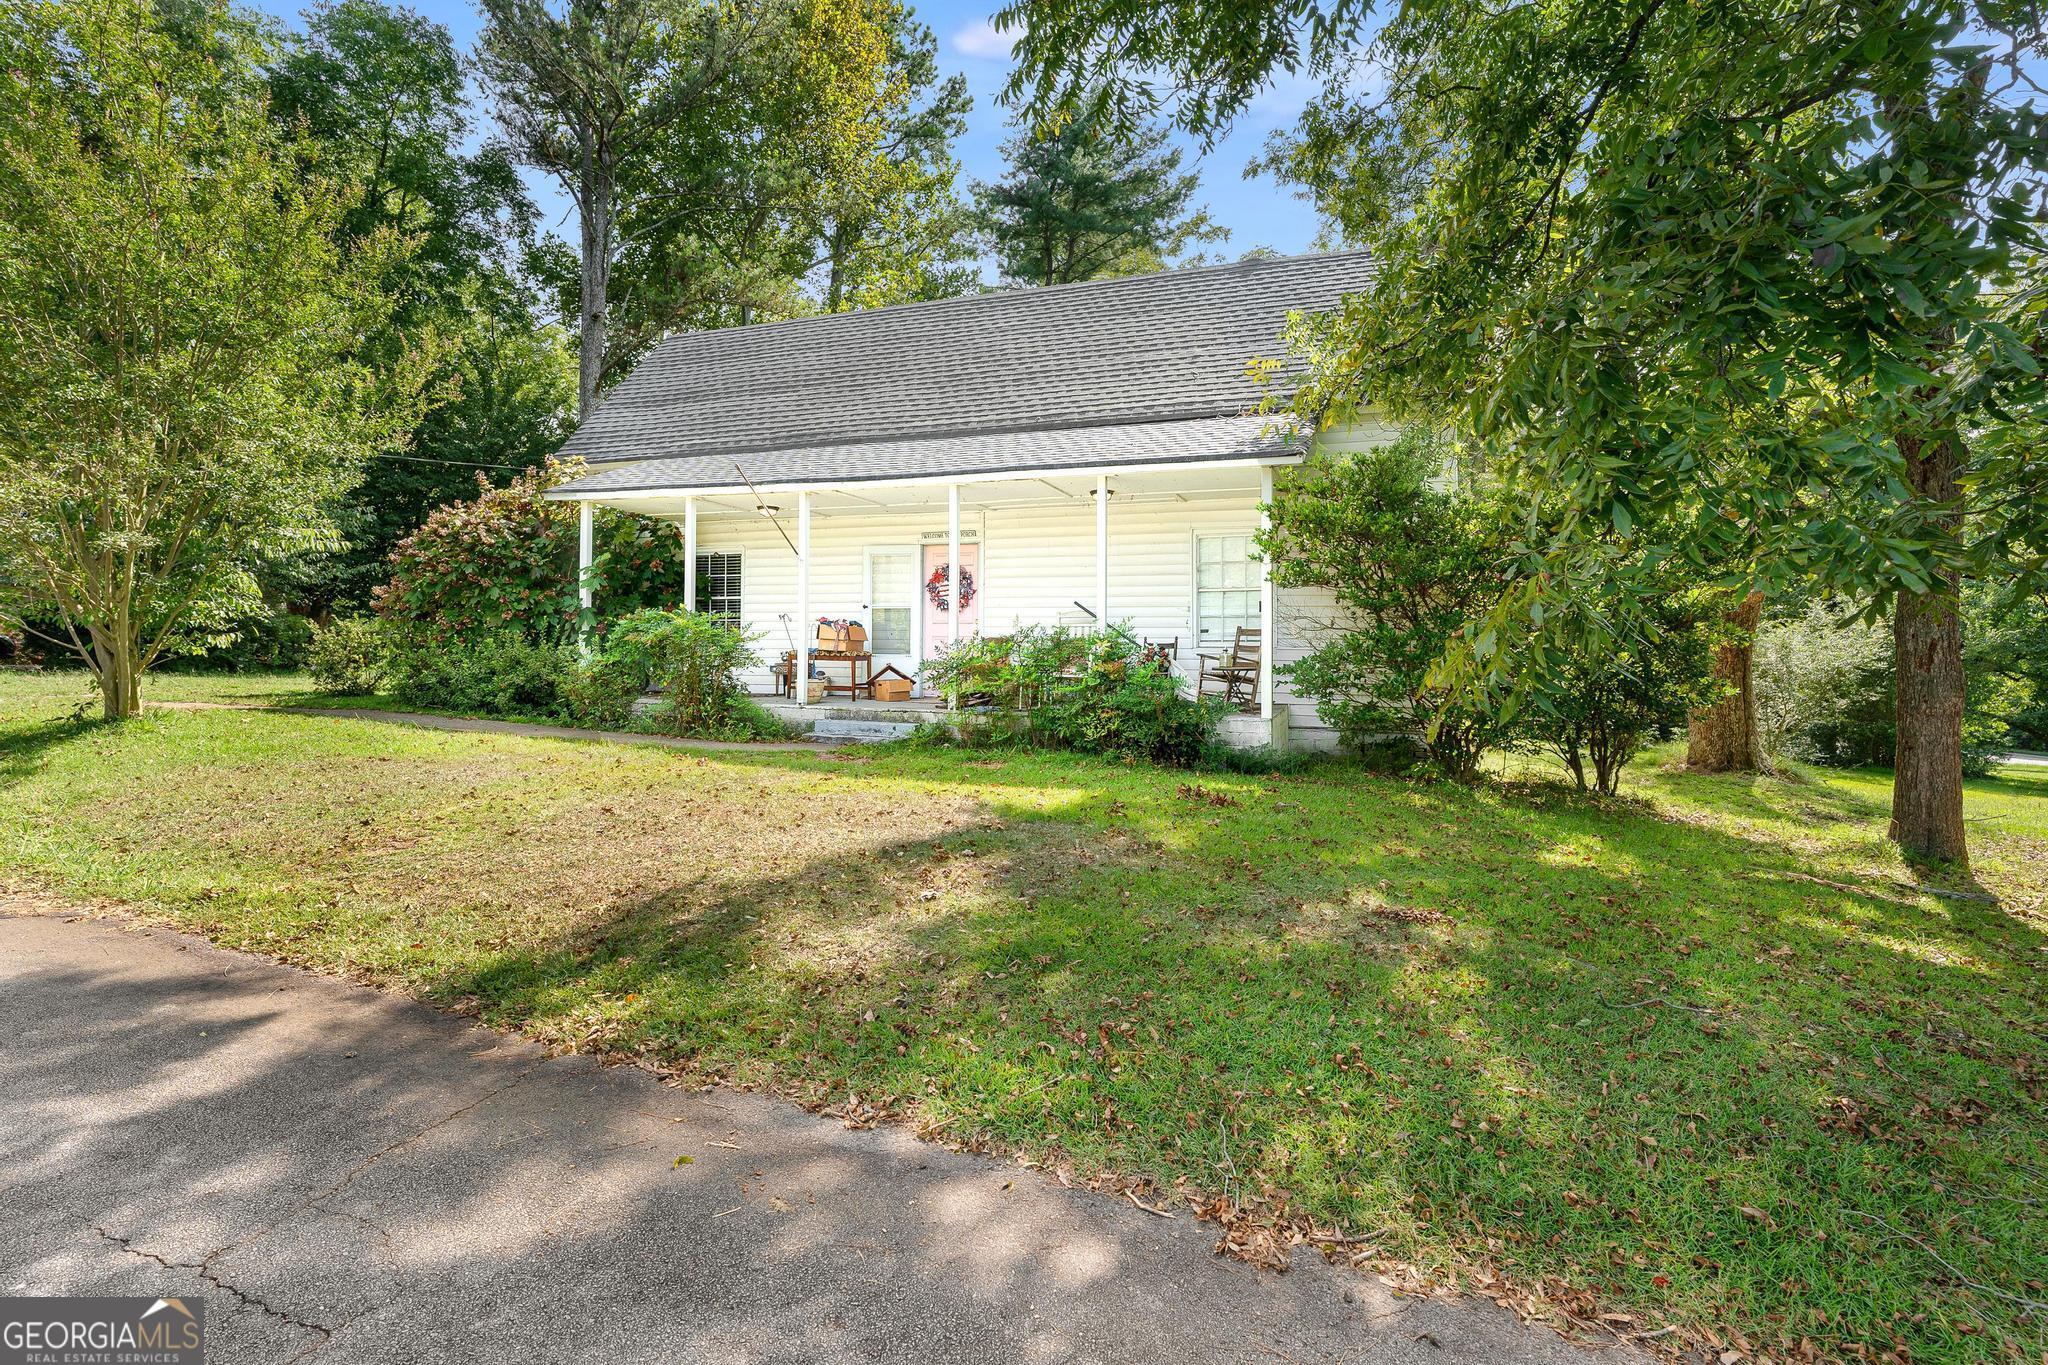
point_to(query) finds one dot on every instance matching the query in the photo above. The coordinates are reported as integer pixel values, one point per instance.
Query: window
(1227, 582)
(892, 586)
(718, 585)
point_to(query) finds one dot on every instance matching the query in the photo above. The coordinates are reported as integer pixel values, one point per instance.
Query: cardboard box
(847, 639)
(892, 689)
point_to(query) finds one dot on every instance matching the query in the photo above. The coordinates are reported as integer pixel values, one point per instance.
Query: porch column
(953, 560)
(806, 631)
(1102, 552)
(689, 554)
(586, 537)
(1267, 642)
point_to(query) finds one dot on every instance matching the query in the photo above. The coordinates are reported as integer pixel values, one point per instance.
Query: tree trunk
(1927, 632)
(1722, 738)
(835, 285)
(596, 224)
(113, 661)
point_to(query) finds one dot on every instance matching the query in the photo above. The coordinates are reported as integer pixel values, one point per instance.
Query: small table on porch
(860, 672)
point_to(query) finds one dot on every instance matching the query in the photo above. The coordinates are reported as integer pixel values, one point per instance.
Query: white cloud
(983, 40)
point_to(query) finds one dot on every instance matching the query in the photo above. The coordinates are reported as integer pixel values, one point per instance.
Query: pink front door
(938, 621)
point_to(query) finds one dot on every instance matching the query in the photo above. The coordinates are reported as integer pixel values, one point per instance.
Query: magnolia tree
(177, 399)
(1614, 236)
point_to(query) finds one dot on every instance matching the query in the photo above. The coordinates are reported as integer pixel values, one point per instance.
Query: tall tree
(898, 232)
(730, 212)
(180, 397)
(379, 92)
(1607, 231)
(586, 89)
(682, 129)
(1086, 199)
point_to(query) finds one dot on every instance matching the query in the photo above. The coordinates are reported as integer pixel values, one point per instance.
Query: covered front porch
(1167, 552)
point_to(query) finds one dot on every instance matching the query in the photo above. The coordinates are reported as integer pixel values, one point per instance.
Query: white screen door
(892, 606)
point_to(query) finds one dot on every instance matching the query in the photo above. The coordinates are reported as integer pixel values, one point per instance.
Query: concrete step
(860, 731)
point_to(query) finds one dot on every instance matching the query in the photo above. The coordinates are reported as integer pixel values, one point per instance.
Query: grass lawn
(1703, 1056)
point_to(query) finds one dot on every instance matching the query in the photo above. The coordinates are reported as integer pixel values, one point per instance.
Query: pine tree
(1085, 201)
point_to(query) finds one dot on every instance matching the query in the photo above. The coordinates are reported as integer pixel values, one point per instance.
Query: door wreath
(935, 588)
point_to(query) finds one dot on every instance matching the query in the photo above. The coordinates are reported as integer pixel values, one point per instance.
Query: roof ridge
(1014, 294)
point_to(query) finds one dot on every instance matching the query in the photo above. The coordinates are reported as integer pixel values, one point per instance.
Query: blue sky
(1256, 212)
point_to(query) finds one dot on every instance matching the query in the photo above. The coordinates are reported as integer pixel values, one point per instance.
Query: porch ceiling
(1179, 483)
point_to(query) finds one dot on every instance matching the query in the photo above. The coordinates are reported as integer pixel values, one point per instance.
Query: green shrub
(1012, 672)
(500, 674)
(692, 659)
(747, 719)
(1132, 709)
(1407, 564)
(347, 656)
(1093, 693)
(929, 734)
(1824, 693)
(1597, 709)
(274, 642)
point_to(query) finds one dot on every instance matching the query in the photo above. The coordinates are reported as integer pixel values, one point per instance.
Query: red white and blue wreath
(935, 588)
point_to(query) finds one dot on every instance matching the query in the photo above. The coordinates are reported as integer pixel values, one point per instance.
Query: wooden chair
(1236, 668)
(1168, 650)
(784, 673)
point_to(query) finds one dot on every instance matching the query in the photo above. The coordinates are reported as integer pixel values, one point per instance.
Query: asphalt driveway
(348, 1175)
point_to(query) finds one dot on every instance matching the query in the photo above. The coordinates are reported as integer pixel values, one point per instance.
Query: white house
(1075, 454)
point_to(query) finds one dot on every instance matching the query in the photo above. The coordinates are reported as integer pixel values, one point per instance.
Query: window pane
(891, 631)
(1227, 580)
(718, 585)
(894, 577)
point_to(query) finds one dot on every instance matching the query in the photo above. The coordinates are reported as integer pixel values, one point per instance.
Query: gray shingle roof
(961, 385)
(1198, 439)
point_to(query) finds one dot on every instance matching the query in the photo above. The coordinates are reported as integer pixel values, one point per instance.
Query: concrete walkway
(346, 1175)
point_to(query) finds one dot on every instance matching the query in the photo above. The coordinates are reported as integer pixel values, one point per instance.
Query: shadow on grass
(1551, 1034)
(1658, 1054)
(26, 748)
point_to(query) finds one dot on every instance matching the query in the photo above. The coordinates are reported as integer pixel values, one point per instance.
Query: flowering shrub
(506, 562)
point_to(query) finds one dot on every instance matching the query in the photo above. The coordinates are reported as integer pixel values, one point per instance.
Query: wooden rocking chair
(1237, 669)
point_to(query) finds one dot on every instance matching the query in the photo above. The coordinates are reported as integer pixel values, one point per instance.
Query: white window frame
(739, 599)
(1229, 636)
